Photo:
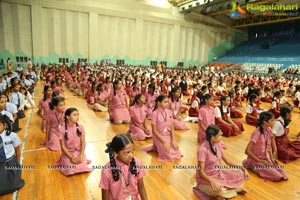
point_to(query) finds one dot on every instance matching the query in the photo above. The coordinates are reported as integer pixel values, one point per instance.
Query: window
(107, 61)
(82, 60)
(21, 59)
(63, 60)
(180, 64)
(163, 63)
(120, 62)
(153, 63)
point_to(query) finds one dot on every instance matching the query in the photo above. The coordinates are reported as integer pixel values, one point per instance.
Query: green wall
(53, 58)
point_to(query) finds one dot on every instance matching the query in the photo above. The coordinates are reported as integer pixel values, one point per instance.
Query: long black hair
(173, 91)
(45, 91)
(55, 101)
(118, 143)
(99, 86)
(68, 112)
(136, 99)
(158, 99)
(211, 130)
(114, 85)
(276, 94)
(152, 86)
(284, 110)
(204, 98)
(4, 119)
(264, 117)
(223, 98)
(251, 98)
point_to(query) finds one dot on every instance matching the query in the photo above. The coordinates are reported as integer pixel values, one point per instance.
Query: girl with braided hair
(72, 141)
(122, 177)
(262, 152)
(213, 179)
(138, 113)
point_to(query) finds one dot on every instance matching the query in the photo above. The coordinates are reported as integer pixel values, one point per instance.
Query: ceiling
(220, 10)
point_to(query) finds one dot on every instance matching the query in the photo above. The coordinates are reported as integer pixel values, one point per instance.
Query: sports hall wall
(134, 30)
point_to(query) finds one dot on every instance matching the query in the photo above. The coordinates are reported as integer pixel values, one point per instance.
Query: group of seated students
(16, 95)
(132, 95)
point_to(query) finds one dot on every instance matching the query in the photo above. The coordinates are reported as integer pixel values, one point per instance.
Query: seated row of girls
(209, 114)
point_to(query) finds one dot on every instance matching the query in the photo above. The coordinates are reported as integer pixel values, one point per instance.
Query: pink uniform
(119, 111)
(261, 148)
(162, 119)
(100, 98)
(90, 95)
(73, 145)
(227, 178)
(150, 103)
(59, 89)
(56, 122)
(118, 189)
(133, 92)
(44, 105)
(207, 117)
(179, 123)
(138, 113)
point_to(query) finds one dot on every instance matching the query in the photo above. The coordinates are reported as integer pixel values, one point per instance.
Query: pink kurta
(150, 103)
(207, 117)
(261, 148)
(227, 178)
(44, 105)
(179, 123)
(138, 113)
(73, 145)
(118, 189)
(119, 111)
(100, 98)
(162, 119)
(56, 122)
(133, 92)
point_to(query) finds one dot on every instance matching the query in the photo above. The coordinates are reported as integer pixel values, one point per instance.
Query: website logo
(236, 10)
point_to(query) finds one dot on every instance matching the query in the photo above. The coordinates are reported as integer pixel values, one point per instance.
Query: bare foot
(43, 143)
(243, 192)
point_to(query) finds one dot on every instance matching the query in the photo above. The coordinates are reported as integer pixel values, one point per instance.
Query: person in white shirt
(29, 84)
(286, 150)
(284, 101)
(10, 169)
(19, 68)
(2, 84)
